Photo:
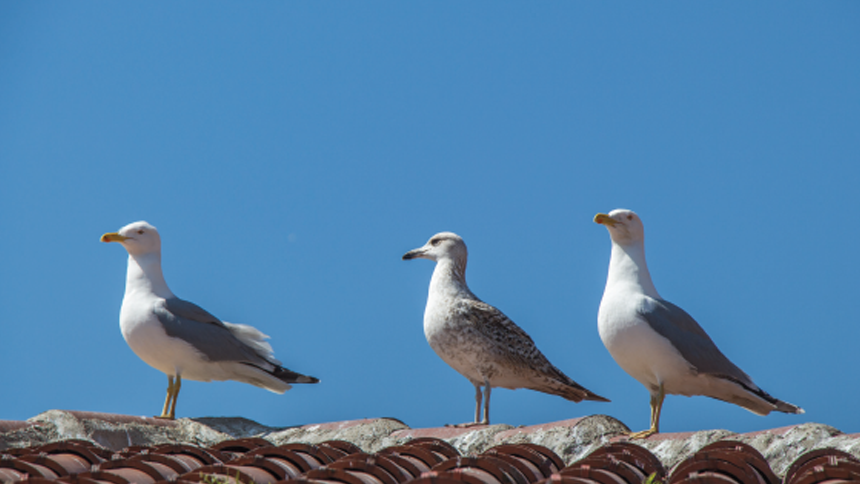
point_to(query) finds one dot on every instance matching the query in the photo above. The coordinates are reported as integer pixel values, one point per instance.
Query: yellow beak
(604, 219)
(113, 237)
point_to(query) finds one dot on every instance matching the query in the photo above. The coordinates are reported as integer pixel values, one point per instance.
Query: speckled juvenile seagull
(182, 339)
(479, 341)
(658, 343)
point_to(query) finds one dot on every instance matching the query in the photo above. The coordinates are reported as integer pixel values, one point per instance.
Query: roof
(399, 454)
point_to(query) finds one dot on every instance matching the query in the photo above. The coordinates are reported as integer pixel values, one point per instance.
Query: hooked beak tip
(413, 254)
(112, 237)
(604, 219)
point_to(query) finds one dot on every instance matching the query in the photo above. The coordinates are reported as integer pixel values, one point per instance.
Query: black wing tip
(779, 405)
(597, 398)
(577, 393)
(289, 376)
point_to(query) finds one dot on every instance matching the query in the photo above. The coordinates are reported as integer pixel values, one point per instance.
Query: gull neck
(627, 267)
(449, 278)
(144, 275)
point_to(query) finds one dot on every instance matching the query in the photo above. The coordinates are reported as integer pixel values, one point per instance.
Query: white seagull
(182, 339)
(477, 340)
(658, 343)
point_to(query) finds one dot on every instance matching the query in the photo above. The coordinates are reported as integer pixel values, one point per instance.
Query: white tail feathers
(254, 338)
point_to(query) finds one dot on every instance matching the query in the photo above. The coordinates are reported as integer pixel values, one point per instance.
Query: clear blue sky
(291, 152)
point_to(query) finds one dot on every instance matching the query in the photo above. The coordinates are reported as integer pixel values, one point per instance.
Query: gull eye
(629, 217)
(140, 232)
(435, 242)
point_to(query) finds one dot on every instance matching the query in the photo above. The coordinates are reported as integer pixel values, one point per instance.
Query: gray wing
(694, 344)
(206, 333)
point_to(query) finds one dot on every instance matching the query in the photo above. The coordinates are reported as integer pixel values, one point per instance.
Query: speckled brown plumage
(478, 340)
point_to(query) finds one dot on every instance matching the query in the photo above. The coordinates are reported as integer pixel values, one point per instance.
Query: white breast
(639, 350)
(146, 337)
(452, 338)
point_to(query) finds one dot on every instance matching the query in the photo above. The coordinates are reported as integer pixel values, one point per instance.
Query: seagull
(182, 339)
(658, 343)
(477, 340)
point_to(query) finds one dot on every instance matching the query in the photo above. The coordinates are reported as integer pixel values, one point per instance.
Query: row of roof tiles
(420, 461)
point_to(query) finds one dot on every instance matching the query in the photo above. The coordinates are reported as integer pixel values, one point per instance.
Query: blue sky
(291, 152)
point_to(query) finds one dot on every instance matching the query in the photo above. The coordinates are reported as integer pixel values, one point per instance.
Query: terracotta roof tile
(10, 425)
(427, 456)
(255, 460)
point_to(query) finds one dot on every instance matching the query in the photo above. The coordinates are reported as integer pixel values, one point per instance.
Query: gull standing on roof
(182, 339)
(479, 341)
(658, 343)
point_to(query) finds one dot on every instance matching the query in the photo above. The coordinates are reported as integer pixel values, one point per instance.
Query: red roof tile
(10, 425)
(425, 456)
(421, 461)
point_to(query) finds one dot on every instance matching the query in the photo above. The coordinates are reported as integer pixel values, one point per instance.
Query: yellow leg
(175, 397)
(655, 424)
(656, 408)
(169, 410)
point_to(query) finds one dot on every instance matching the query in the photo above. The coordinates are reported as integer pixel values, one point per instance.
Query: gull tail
(788, 408)
(289, 376)
(274, 378)
(779, 405)
(563, 386)
(750, 397)
(573, 392)
(595, 397)
(255, 339)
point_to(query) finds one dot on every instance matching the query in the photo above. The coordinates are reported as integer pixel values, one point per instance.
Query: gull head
(625, 227)
(444, 245)
(138, 238)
